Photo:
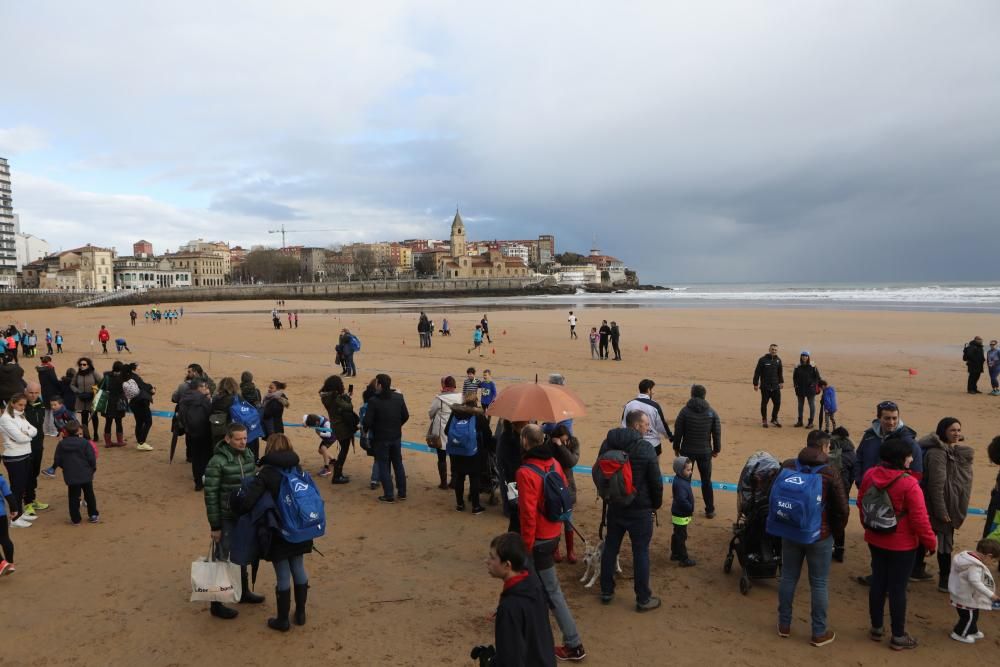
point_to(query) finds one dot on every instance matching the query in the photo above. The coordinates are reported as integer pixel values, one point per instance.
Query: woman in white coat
(17, 433)
(439, 413)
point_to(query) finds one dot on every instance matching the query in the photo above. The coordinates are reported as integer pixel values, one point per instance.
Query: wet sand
(406, 584)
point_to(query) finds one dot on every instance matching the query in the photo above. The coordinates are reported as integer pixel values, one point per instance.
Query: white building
(133, 273)
(586, 274)
(522, 252)
(29, 248)
(8, 252)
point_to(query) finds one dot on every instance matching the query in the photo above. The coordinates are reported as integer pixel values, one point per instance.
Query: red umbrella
(537, 402)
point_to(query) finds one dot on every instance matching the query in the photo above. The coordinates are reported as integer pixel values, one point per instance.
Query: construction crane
(284, 231)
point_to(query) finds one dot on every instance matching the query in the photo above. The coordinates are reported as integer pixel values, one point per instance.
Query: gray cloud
(718, 142)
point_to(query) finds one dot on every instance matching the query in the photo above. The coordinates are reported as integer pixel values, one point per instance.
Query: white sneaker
(979, 635)
(967, 639)
(29, 517)
(21, 523)
(143, 447)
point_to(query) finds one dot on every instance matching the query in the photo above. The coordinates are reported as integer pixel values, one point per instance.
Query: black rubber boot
(284, 604)
(248, 596)
(301, 593)
(338, 475)
(220, 610)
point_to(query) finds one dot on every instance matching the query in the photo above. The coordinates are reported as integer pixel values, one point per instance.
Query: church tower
(458, 240)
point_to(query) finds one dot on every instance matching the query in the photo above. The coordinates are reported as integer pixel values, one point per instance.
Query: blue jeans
(293, 568)
(389, 456)
(349, 362)
(818, 556)
(375, 470)
(639, 526)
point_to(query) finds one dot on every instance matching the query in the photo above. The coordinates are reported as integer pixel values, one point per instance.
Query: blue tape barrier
(667, 479)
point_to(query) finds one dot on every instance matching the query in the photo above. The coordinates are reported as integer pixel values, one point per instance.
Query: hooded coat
(970, 582)
(77, 459)
(806, 378)
(947, 482)
(340, 411)
(223, 475)
(646, 476)
(440, 414)
(974, 356)
(683, 504)
(272, 412)
(534, 525)
(568, 456)
(268, 480)
(49, 381)
(11, 381)
(698, 430)
(470, 465)
(913, 528)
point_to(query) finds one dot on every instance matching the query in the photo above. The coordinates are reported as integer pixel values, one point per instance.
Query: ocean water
(941, 297)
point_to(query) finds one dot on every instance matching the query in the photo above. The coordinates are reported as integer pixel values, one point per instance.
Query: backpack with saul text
(463, 437)
(557, 503)
(303, 516)
(796, 504)
(242, 412)
(877, 512)
(613, 477)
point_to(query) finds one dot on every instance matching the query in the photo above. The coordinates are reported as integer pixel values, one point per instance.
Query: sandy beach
(406, 584)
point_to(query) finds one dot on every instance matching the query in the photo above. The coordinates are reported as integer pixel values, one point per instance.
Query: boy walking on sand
(971, 587)
(572, 325)
(681, 510)
(827, 406)
(79, 463)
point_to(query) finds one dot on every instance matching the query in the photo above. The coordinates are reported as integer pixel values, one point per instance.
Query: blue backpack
(355, 343)
(241, 412)
(300, 507)
(796, 504)
(557, 504)
(463, 437)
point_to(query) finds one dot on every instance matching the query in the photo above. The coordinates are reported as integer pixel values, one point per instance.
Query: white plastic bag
(215, 580)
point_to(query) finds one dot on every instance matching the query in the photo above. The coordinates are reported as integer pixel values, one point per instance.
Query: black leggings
(87, 415)
(6, 546)
(345, 447)
(117, 418)
(466, 468)
(18, 472)
(143, 419)
(74, 501)
(890, 573)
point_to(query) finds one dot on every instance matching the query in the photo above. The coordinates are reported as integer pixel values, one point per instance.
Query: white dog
(592, 559)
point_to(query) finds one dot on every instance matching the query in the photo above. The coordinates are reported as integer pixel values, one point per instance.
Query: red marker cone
(404, 341)
(494, 350)
(913, 371)
(504, 332)
(645, 348)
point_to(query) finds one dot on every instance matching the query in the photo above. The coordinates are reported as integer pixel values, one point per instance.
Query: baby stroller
(491, 476)
(759, 553)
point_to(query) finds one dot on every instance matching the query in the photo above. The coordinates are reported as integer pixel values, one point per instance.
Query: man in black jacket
(616, 336)
(698, 436)
(636, 518)
(769, 377)
(195, 409)
(605, 335)
(384, 421)
(975, 359)
(523, 634)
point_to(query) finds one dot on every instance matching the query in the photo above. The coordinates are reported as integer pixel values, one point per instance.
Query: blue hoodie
(683, 506)
(868, 449)
(5, 492)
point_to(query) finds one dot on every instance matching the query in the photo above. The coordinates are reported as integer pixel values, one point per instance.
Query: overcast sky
(710, 141)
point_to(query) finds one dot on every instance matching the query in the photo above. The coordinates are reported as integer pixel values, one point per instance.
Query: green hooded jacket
(224, 473)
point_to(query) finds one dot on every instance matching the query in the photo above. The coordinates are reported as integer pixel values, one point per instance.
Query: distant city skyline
(703, 142)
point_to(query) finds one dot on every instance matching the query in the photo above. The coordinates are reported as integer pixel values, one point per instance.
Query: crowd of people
(922, 485)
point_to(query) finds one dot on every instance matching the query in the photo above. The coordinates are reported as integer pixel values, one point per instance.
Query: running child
(120, 344)
(477, 340)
